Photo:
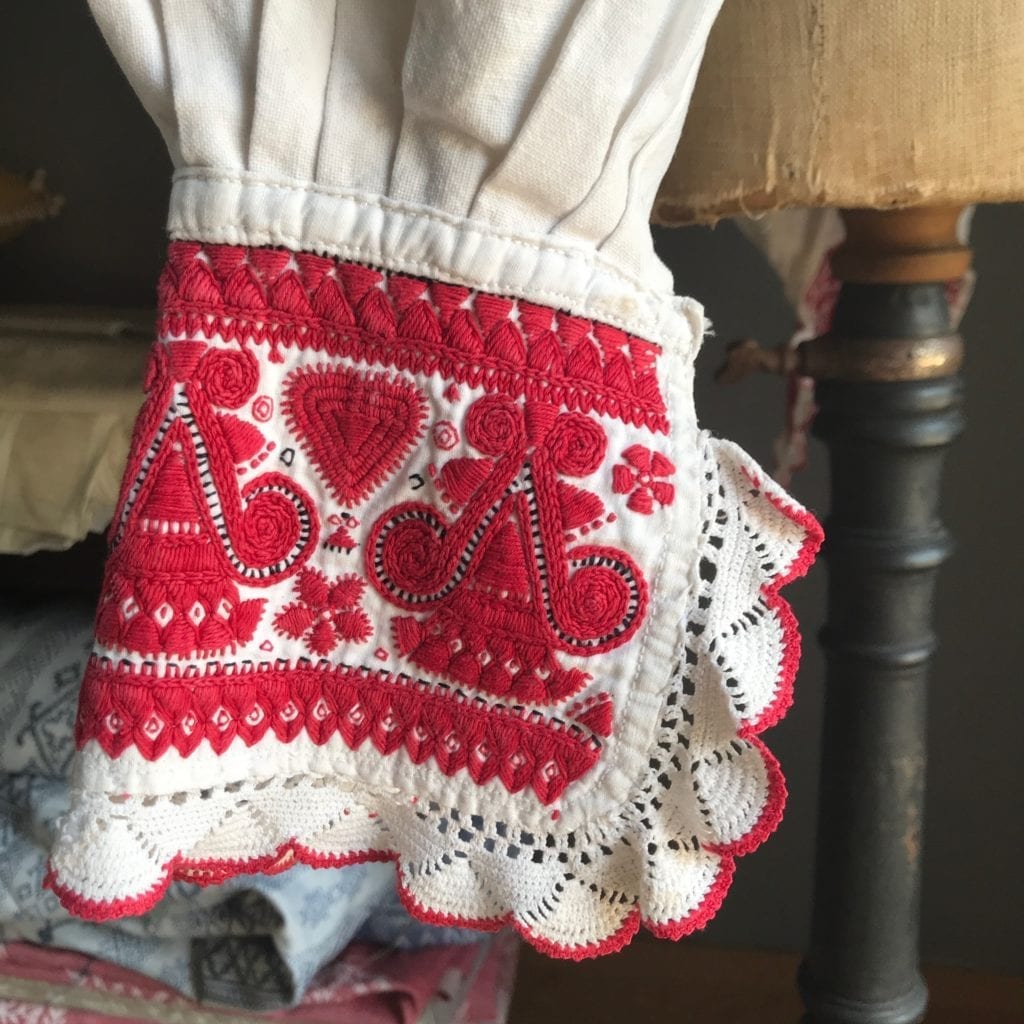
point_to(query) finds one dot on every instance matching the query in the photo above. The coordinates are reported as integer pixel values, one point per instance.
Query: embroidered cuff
(404, 570)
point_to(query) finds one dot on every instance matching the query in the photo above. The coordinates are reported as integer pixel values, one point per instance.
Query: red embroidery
(502, 345)
(184, 533)
(120, 708)
(340, 538)
(490, 644)
(814, 536)
(505, 592)
(209, 871)
(229, 378)
(641, 478)
(325, 614)
(164, 591)
(263, 408)
(356, 429)
(445, 435)
(495, 588)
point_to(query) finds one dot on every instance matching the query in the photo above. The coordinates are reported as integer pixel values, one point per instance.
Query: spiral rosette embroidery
(404, 570)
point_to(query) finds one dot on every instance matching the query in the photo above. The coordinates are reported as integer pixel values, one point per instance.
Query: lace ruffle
(710, 792)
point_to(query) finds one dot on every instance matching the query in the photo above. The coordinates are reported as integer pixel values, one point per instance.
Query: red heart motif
(356, 428)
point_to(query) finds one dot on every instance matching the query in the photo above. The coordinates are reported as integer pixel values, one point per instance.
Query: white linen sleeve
(511, 146)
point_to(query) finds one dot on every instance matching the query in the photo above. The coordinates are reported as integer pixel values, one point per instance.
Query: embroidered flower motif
(641, 477)
(262, 408)
(446, 435)
(326, 613)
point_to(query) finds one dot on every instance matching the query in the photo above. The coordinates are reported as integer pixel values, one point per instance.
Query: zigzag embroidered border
(121, 706)
(288, 299)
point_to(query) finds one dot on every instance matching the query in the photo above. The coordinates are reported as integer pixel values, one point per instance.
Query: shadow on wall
(65, 107)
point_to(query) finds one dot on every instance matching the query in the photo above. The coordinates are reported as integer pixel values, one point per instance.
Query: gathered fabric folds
(420, 554)
(515, 147)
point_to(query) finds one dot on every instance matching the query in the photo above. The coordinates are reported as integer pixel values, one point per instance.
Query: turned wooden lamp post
(900, 115)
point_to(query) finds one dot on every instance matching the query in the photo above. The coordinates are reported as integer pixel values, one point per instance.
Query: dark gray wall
(65, 107)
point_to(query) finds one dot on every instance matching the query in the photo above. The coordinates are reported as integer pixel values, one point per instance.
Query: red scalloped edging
(106, 910)
(705, 910)
(814, 535)
(619, 939)
(220, 870)
(771, 813)
(215, 871)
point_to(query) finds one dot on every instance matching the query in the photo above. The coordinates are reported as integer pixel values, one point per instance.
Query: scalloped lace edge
(214, 871)
(293, 852)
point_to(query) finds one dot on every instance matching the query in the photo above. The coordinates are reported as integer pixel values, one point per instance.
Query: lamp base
(887, 420)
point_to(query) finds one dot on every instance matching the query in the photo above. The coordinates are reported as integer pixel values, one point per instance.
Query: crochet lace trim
(710, 792)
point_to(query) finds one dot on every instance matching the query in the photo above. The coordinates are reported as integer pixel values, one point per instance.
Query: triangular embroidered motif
(355, 428)
(164, 590)
(491, 634)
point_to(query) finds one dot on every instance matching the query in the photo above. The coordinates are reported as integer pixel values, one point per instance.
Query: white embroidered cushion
(410, 566)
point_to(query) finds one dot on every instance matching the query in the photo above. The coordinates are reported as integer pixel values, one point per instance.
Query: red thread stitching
(644, 479)
(254, 295)
(505, 591)
(704, 912)
(445, 435)
(340, 538)
(325, 613)
(182, 471)
(355, 428)
(814, 536)
(183, 533)
(152, 615)
(209, 872)
(771, 814)
(121, 707)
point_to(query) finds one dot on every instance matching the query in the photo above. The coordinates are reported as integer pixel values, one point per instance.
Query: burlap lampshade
(853, 103)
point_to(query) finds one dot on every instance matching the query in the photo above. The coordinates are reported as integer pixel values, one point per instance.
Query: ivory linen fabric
(420, 554)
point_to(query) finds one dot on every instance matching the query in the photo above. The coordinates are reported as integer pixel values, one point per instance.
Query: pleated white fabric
(514, 147)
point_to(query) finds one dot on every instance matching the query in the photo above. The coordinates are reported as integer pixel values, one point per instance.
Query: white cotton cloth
(511, 146)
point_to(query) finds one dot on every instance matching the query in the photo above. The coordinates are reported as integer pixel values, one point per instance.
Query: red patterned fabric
(402, 570)
(314, 302)
(364, 985)
(503, 593)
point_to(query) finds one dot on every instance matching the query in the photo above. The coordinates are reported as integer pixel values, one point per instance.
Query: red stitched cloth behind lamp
(411, 565)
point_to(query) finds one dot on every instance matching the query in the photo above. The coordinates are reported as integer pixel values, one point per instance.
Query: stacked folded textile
(468, 984)
(69, 393)
(256, 942)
